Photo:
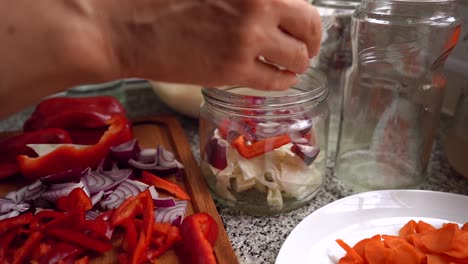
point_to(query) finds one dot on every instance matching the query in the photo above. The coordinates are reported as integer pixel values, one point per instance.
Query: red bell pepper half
(199, 233)
(158, 182)
(13, 146)
(70, 157)
(260, 147)
(85, 118)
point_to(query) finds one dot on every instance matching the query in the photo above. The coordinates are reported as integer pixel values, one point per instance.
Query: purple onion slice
(307, 153)
(216, 154)
(171, 214)
(125, 151)
(72, 175)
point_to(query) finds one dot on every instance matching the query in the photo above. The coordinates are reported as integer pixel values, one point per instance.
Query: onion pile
(108, 186)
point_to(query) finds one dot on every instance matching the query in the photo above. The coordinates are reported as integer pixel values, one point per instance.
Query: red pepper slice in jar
(199, 233)
(71, 157)
(260, 147)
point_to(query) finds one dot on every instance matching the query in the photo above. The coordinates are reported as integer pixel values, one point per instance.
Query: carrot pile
(416, 243)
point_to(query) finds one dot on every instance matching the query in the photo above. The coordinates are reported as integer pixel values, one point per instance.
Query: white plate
(363, 215)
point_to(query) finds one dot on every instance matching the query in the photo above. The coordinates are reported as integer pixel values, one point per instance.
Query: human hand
(213, 42)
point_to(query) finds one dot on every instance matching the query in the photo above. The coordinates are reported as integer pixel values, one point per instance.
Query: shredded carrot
(416, 243)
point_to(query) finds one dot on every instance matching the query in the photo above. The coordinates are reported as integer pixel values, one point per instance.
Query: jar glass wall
(394, 90)
(264, 152)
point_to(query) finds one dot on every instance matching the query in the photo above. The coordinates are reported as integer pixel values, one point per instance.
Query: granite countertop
(259, 239)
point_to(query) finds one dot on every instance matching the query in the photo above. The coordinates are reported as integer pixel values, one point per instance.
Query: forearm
(48, 46)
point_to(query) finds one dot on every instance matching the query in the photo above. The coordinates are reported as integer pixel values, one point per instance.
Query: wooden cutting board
(167, 131)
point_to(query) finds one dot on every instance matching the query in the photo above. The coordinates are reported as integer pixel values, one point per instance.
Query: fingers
(286, 51)
(268, 77)
(302, 21)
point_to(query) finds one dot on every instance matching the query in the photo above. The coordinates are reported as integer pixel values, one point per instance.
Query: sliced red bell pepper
(60, 251)
(158, 182)
(76, 199)
(43, 217)
(260, 147)
(173, 237)
(49, 110)
(6, 240)
(130, 237)
(9, 169)
(85, 118)
(72, 219)
(199, 233)
(83, 260)
(70, 157)
(79, 238)
(22, 254)
(17, 145)
(13, 146)
(130, 208)
(14, 222)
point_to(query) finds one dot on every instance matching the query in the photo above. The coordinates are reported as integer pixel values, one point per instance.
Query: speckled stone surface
(259, 239)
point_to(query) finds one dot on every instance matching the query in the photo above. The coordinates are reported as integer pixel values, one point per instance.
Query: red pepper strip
(199, 231)
(130, 208)
(78, 238)
(73, 219)
(76, 199)
(130, 238)
(42, 217)
(62, 251)
(106, 215)
(51, 108)
(83, 260)
(6, 240)
(161, 229)
(9, 169)
(23, 253)
(172, 238)
(260, 147)
(69, 157)
(98, 228)
(146, 231)
(158, 182)
(13, 222)
(16, 145)
(148, 214)
(140, 250)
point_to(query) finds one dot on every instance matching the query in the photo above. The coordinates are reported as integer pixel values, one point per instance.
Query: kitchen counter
(259, 239)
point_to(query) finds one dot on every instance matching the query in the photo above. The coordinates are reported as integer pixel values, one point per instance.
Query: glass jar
(394, 90)
(263, 152)
(335, 55)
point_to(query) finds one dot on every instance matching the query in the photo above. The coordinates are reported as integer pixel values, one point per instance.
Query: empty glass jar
(394, 90)
(264, 152)
(335, 55)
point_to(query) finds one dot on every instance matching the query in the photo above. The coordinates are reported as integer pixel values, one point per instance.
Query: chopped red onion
(148, 155)
(216, 154)
(97, 197)
(125, 189)
(307, 153)
(56, 191)
(123, 152)
(72, 175)
(9, 215)
(171, 214)
(92, 214)
(270, 129)
(7, 205)
(164, 202)
(27, 193)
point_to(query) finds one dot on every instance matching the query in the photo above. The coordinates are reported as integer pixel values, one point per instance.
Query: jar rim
(312, 87)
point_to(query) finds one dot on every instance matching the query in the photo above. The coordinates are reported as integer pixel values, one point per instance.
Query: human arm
(56, 44)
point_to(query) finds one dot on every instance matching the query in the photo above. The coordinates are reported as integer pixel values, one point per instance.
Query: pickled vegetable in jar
(264, 152)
